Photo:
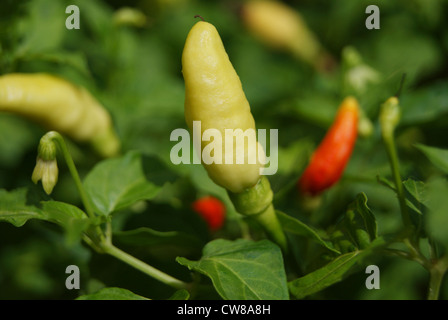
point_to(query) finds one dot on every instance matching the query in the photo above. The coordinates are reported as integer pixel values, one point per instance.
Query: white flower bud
(46, 168)
(47, 171)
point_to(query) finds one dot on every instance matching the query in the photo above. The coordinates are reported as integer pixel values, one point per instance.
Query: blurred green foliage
(135, 71)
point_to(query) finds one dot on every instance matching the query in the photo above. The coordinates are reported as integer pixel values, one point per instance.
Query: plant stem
(245, 233)
(53, 135)
(393, 159)
(268, 219)
(416, 255)
(437, 271)
(435, 281)
(256, 202)
(97, 231)
(389, 119)
(143, 267)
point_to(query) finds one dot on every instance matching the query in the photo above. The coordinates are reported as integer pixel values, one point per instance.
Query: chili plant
(88, 120)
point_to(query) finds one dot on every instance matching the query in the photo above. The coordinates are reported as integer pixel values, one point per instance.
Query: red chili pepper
(332, 155)
(212, 210)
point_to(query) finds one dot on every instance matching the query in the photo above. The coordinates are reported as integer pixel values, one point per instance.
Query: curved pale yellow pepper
(283, 28)
(214, 96)
(59, 105)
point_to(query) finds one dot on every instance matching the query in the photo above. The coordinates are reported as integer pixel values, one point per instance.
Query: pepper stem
(256, 202)
(389, 118)
(56, 137)
(198, 16)
(144, 267)
(268, 219)
(437, 270)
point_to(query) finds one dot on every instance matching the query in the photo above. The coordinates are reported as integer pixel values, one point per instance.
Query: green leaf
(364, 217)
(417, 189)
(331, 273)
(71, 218)
(357, 228)
(323, 277)
(117, 183)
(15, 210)
(112, 294)
(295, 226)
(387, 183)
(412, 189)
(437, 156)
(437, 217)
(180, 295)
(413, 207)
(243, 269)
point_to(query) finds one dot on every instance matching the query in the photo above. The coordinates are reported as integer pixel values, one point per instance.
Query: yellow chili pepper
(283, 28)
(59, 105)
(214, 96)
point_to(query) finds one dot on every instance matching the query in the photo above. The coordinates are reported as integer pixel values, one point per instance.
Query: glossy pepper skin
(333, 153)
(212, 210)
(61, 106)
(214, 96)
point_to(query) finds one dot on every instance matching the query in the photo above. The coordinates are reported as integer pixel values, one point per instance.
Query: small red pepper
(332, 155)
(212, 210)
